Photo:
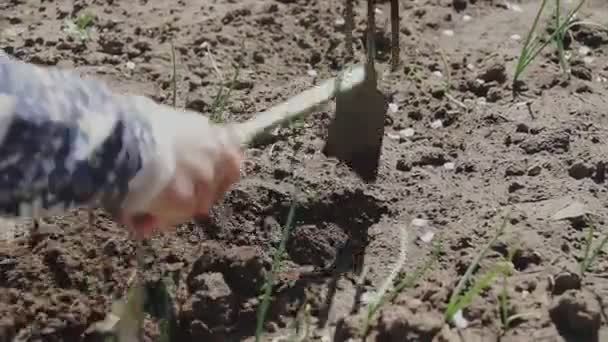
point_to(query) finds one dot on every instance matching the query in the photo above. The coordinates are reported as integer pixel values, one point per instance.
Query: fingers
(140, 226)
(227, 173)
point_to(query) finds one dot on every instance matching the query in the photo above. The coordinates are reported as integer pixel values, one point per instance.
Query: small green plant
(80, 28)
(414, 72)
(222, 97)
(447, 84)
(459, 300)
(275, 268)
(591, 253)
(507, 319)
(300, 327)
(382, 298)
(535, 44)
(174, 75)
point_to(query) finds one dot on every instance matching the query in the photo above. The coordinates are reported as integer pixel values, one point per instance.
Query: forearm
(66, 142)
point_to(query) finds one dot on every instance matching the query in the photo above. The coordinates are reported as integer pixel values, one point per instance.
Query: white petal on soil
(436, 124)
(393, 107)
(449, 166)
(418, 222)
(406, 133)
(515, 37)
(459, 320)
(449, 33)
(427, 237)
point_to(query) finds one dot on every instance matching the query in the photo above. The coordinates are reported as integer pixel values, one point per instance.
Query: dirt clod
(577, 313)
(398, 323)
(564, 281)
(580, 170)
(213, 302)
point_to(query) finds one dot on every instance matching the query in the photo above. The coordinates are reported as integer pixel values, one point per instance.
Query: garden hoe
(354, 137)
(356, 133)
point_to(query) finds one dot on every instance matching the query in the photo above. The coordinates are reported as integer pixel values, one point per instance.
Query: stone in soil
(577, 314)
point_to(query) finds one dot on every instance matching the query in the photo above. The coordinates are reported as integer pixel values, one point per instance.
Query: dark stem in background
(371, 33)
(349, 26)
(395, 33)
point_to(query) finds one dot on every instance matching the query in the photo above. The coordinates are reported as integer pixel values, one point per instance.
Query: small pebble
(418, 222)
(130, 65)
(436, 124)
(378, 11)
(393, 136)
(449, 166)
(588, 60)
(393, 107)
(467, 18)
(470, 67)
(427, 237)
(438, 74)
(407, 132)
(515, 37)
(448, 33)
(340, 21)
(584, 50)
(312, 73)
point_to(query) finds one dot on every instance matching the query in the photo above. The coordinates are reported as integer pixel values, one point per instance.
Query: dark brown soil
(533, 155)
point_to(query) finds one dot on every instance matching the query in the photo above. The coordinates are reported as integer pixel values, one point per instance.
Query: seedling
(447, 84)
(174, 75)
(408, 281)
(275, 268)
(459, 300)
(221, 99)
(534, 44)
(590, 253)
(80, 28)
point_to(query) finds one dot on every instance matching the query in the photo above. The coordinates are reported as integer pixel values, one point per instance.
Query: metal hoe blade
(356, 133)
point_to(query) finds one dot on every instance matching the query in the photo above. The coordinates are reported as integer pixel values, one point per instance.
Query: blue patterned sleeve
(65, 142)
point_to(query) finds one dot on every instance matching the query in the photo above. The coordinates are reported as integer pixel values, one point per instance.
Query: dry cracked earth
(460, 153)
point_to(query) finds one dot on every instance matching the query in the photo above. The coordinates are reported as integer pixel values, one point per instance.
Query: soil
(493, 154)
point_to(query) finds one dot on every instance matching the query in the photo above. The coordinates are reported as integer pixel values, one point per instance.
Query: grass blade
(455, 297)
(276, 264)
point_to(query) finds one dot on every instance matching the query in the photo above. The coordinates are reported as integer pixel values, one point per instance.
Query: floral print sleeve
(65, 141)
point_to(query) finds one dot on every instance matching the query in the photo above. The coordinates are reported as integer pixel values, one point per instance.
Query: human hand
(194, 165)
